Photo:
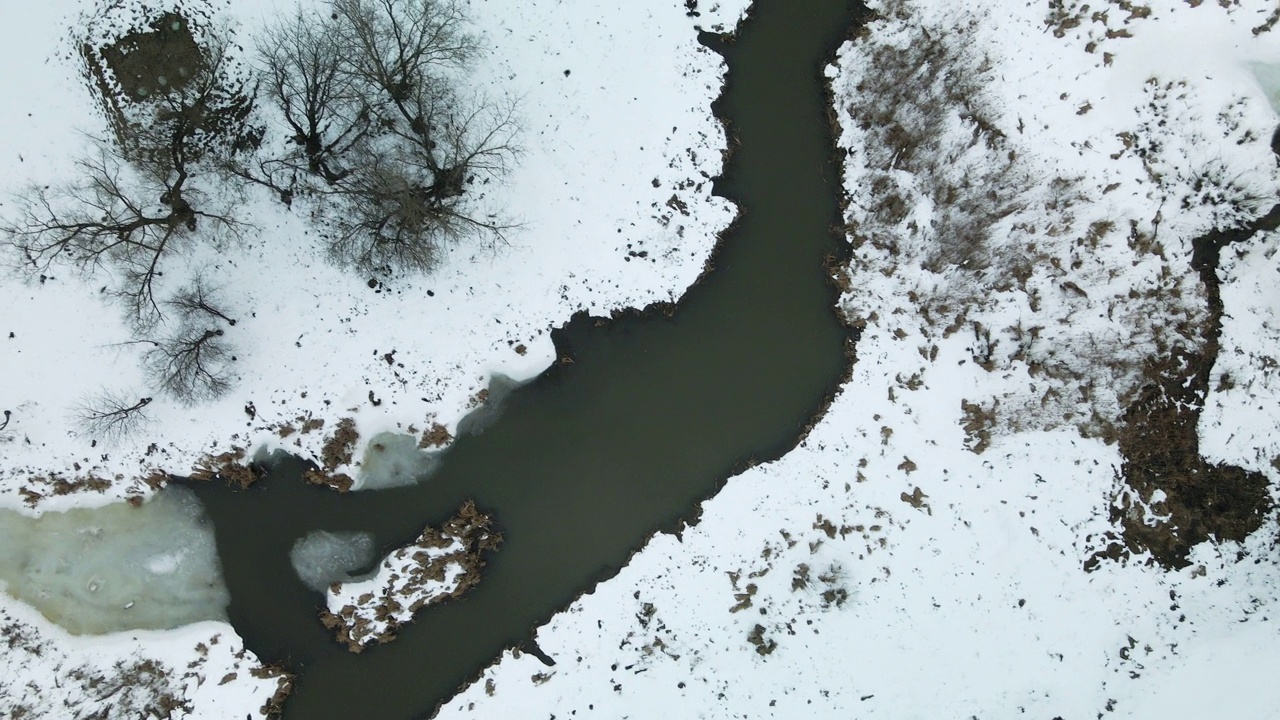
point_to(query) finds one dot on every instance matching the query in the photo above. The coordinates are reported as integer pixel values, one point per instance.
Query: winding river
(653, 416)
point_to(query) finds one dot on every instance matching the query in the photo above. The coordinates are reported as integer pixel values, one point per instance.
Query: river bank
(924, 549)
(614, 196)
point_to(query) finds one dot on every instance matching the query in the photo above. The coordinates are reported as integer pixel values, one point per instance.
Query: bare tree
(119, 217)
(111, 415)
(306, 73)
(398, 212)
(369, 97)
(396, 45)
(199, 300)
(135, 202)
(192, 365)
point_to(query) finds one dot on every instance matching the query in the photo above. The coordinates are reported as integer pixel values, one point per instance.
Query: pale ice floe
(117, 567)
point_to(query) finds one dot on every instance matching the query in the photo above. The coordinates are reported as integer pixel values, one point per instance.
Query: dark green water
(590, 459)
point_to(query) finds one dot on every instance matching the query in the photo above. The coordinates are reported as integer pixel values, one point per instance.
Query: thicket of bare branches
(193, 364)
(396, 151)
(137, 201)
(199, 300)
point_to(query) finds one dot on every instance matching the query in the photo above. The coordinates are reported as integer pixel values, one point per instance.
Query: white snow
(614, 123)
(881, 569)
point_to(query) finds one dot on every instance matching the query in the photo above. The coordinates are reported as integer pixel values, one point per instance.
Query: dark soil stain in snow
(656, 411)
(159, 60)
(1161, 444)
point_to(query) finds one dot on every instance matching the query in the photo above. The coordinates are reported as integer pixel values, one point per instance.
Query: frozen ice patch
(1268, 76)
(322, 558)
(165, 563)
(117, 567)
(490, 408)
(392, 460)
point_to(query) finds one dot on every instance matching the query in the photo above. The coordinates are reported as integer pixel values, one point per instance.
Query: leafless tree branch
(192, 365)
(199, 300)
(110, 415)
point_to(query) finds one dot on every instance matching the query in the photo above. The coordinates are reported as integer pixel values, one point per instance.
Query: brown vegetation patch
(229, 467)
(1161, 444)
(337, 451)
(470, 529)
(916, 500)
(978, 422)
(1161, 447)
(274, 706)
(159, 60)
(764, 646)
(60, 485)
(435, 436)
(339, 448)
(341, 482)
(57, 484)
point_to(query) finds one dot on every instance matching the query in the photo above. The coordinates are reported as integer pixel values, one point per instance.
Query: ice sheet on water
(322, 558)
(392, 460)
(488, 412)
(117, 567)
(1268, 76)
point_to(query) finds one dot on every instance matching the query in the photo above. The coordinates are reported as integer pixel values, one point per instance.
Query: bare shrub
(909, 108)
(400, 212)
(199, 299)
(125, 219)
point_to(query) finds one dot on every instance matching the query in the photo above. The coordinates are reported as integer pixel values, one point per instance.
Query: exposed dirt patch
(1161, 447)
(157, 60)
(1172, 498)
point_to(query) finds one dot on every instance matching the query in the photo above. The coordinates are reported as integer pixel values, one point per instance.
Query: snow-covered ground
(1021, 209)
(1022, 247)
(613, 196)
(614, 124)
(199, 670)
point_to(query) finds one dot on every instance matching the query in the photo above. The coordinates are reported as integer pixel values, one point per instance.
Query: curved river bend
(591, 458)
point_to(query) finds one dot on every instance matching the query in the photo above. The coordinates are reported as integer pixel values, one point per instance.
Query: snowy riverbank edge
(884, 568)
(614, 195)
